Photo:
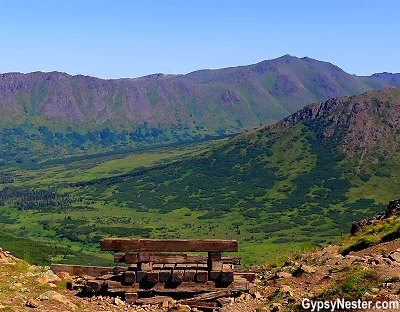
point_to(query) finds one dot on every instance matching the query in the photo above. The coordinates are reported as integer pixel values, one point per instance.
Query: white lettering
(341, 304)
(305, 303)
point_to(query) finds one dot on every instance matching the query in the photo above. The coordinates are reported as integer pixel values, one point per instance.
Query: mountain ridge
(73, 114)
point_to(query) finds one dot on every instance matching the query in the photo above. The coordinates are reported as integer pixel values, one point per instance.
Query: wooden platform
(154, 269)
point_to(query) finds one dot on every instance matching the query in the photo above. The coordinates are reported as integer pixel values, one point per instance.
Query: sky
(132, 38)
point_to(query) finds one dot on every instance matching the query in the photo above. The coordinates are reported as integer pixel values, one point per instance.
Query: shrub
(360, 244)
(353, 285)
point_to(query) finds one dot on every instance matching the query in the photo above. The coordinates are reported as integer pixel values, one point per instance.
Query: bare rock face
(392, 209)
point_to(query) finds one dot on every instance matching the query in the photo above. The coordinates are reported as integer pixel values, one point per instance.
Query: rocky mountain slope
(75, 113)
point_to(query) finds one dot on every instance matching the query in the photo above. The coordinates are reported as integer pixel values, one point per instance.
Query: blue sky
(122, 38)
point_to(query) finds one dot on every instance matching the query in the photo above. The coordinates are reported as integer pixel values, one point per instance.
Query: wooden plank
(80, 270)
(232, 260)
(213, 295)
(214, 261)
(166, 272)
(168, 245)
(141, 276)
(120, 269)
(154, 300)
(177, 276)
(153, 276)
(227, 273)
(201, 276)
(214, 275)
(94, 286)
(117, 287)
(189, 275)
(145, 266)
(130, 276)
(203, 305)
(249, 276)
(113, 286)
(158, 266)
(164, 276)
(173, 258)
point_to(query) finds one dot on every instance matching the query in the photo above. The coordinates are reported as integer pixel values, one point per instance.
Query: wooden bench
(152, 261)
(165, 267)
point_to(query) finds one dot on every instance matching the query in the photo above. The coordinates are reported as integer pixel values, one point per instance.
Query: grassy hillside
(300, 182)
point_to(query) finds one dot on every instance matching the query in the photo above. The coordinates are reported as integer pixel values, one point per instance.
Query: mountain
(65, 114)
(303, 180)
(306, 178)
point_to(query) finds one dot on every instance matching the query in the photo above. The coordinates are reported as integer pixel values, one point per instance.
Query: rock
(31, 303)
(224, 301)
(118, 302)
(301, 257)
(53, 295)
(307, 269)
(243, 297)
(304, 269)
(63, 275)
(277, 307)
(282, 275)
(286, 290)
(47, 276)
(292, 300)
(257, 295)
(394, 256)
(392, 209)
(181, 308)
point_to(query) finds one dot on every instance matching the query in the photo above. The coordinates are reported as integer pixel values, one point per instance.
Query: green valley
(298, 183)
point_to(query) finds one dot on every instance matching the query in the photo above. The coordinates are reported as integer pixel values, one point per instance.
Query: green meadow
(274, 193)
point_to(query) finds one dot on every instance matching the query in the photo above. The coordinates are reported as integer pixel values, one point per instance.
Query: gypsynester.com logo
(346, 305)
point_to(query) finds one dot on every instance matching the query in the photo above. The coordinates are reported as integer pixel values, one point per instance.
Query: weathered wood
(172, 258)
(232, 260)
(190, 287)
(141, 276)
(189, 275)
(201, 276)
(213, 295)
(131, 297)
(177, 276)
(164, 275)
(249, 276)
(80, 270)
(120, 269)
(94, 286)
(214, 261)
(106, 276)
(117, 287)
(154, 300)
(214, 275)
(209, 306)
(168, 245)
(166, 272)
(227, 274)
(130, 276)
(153, 277)
(158, 266)
(145, 266)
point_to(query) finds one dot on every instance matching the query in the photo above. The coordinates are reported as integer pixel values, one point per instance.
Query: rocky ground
(372, 274)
